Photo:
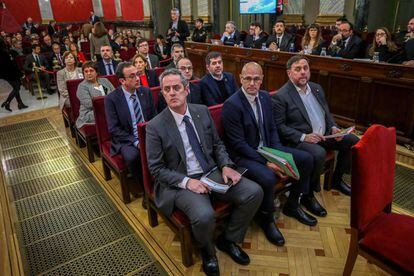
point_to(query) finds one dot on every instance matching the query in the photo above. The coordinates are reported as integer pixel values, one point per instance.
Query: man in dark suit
(303, 119)
(177, 29)
(93, 18)
(47, 45)
(56, 55)
(51, 28)
(216, 86)
(107, 65)
(248, 124)
(280, 40)
(200, 33)
(143, 49)
(346, 44)
(256, 36)
(177, 52)
(182, 145)
(125, 107)
(231, 35)
(40, 61)
(116, 43)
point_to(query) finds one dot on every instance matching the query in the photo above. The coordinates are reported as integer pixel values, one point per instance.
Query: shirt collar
(249, 97)
(178, 118)
(307, 91)
(110, 61)
(128, 94)
(218, 79)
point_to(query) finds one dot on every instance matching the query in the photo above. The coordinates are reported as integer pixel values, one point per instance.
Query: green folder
(283, 159)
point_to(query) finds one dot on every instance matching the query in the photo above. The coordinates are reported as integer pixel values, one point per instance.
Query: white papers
(340, 134)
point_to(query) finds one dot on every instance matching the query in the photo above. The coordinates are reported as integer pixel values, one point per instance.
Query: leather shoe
(6, 105)
(21, 106)
(299, 214)
(210, 264)
(233, 250)
(343, 188)
(313, 206)
(273, 233)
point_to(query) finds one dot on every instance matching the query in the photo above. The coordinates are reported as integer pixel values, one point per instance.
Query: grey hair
(175, 10)
(173, 71)
(232, 23)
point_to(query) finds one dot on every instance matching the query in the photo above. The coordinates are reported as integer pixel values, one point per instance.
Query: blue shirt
(132, 113)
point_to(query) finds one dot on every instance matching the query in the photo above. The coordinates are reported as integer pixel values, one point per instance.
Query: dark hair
(199, 20)
(211, 55)
(141, 40)
(306, 37)
(90, 64)
(342, 19)
(34, 46)
(295, 59)
(351, 26)
(256, 24)
(55, 43)
(279, 21)
(65, 54)
(160, 36)
(119, 72)
(99, 29)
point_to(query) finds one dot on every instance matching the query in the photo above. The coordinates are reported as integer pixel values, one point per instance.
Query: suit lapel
(142, 102)
(294, 94)
(215, 86)
(174, 134)
(318, 97)
(124, 104)
(248, 107)
(198, 125)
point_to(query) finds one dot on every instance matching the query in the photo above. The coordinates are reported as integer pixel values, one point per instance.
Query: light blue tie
(137, 109)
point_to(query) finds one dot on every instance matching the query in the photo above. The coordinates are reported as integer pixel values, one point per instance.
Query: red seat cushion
(117, 162)
(66, 110)
(88, 130)
(390, 237)
(220, 207)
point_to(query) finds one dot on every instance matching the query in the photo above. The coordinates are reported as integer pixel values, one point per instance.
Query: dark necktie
(260, 121)
(278, 41)
(109, 69)
(195, 144)
(59, 59)
(137, 109)
(37, 60)
(149, 62)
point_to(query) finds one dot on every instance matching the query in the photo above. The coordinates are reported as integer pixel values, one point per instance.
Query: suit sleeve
(114, 128)
(235, 136)
(279, 115)
(208, 98)
(185, 32)
(61, 84)
(156, 161)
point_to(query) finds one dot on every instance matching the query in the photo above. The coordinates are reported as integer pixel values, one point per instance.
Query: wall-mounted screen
(257, 6)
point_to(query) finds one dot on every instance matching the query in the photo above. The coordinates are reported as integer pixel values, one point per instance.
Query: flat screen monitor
(257, 6)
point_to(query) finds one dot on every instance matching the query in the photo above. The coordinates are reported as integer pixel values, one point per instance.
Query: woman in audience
(383, 45)
(70, 72)
(147, 77)
(81, 39)
(76, 53)
(90, 87)
(160, 48)
(312, 40)
(131, 41)
(99, 37)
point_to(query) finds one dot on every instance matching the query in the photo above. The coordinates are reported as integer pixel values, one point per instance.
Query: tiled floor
(27, 98)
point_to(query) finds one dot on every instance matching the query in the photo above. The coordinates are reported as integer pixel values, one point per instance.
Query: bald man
(248, 123)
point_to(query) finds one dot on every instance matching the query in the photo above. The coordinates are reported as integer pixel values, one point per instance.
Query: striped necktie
(137, 109)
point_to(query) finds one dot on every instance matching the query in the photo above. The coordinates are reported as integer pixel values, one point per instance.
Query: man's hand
(276, 169)
(313, 138)
(225, 34)
(336, 37)
(197, 186)
(229, 173)
(257, 32)
(336, 130)
(273, 46)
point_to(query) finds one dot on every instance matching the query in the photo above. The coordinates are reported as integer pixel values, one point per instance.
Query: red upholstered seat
(165, 62)
(87, 130)
(388, 238)
(155, 91)
(159, 70)
(116, 161)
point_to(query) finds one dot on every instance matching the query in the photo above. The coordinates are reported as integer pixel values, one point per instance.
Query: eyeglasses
(380, 34)
(132, 76)
(249, 79)
(186, 68)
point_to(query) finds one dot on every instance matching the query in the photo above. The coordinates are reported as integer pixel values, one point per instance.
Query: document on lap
(214, 179)
(340, 134)
(282, 159)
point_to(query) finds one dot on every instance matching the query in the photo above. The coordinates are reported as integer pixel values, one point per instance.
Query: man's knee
(251, 192)
(204, 218)
(130, 154)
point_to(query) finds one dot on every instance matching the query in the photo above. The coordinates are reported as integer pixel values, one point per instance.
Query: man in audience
(190, 129)
(107, 65)
(93, 18)
(66, 30)
(116, 43)
(216, 86)
(200, 33)
(125, 107)
(40, 61)
(404, 36)
(66, 44)
(256, 36)
(409, 52)
(143, 49)
(303, 119)
(17, 48)
(47, 45)
(346, 44)
(248, 124)
(177, 29)
(280, 40)
(231, 35)
(29, 25)
(338, 23)
(51, 28)
(177, 52)
(56, 54)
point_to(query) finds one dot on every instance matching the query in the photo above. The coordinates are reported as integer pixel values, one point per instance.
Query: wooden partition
(359, 93)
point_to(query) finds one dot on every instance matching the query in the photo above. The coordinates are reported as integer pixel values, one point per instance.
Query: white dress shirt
(193, 166)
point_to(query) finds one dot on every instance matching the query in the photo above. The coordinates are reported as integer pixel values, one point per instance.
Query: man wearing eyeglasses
(125, 107)
(346, 44)
(248, 124)
(143, 49)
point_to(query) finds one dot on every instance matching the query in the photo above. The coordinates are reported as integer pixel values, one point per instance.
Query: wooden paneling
(358, 92)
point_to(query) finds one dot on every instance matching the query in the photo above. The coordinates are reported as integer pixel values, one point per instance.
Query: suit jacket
(119, 118)
(93, 19)
(353, 49)
(234, 40)
(51, 30)
(54, 56)
(210, 91)
(85, 93)
(250, 43)
(102, 69)
(152, 78)
(166, 153)
(182, 29)
(290, 115)
(28, 64)
(8, 69)
(193, 97)
(61, 77)
(284, 45)
(241, 128)
(157, 51)
(153, 59)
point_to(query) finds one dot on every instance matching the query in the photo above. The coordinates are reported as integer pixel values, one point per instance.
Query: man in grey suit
(303, 119)
(183, 144)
